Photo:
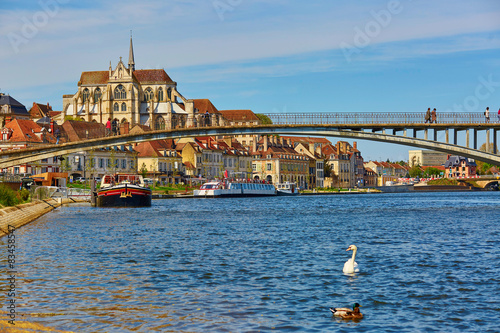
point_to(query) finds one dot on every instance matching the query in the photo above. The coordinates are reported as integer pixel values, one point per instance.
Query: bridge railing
(324, 118)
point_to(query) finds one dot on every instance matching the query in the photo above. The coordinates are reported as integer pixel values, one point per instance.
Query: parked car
(81, 179)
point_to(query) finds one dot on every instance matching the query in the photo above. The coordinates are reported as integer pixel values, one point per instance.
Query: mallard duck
(350, 265)
(347, 313)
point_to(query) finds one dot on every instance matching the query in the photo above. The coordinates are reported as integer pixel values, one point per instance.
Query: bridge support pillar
(414, 133)
(425, 133)
(487, 140)
(404, 132)
(435, 135)
(467, 138)
(475, 138)
(494, 141)
(447, 135)
(455, 135)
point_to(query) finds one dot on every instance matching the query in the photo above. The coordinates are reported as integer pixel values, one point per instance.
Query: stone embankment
(20, 215)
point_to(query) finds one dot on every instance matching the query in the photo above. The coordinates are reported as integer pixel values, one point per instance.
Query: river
(429, 262)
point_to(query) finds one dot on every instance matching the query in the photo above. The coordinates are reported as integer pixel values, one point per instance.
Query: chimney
(355, 145)
(318, 149)
(51, 125)
(265, 143)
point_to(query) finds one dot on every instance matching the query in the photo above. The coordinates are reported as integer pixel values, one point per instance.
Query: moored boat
(287, 189)
(123, 190)
(235, 189)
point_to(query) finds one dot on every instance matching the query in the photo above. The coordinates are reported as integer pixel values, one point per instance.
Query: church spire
(131, 63)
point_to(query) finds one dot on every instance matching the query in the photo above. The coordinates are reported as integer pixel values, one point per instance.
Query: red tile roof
(204, 105)
(26, 130)
(239, 115)
(154, 148)
(152, 75)
(96, 77)
(40, 110)
(81, 130)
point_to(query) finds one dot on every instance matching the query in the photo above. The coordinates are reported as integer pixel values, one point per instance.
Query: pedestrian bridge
(407, 129)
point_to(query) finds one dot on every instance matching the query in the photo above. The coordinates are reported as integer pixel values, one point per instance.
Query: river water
(429, 262)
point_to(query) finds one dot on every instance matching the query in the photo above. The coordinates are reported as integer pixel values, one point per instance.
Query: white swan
(350, 265)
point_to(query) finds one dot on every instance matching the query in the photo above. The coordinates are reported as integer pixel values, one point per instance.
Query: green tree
(416, 171)
(113, 161)
(483, 168)
(265, 119)
(432, 172)
(327, 169)
(143, 170)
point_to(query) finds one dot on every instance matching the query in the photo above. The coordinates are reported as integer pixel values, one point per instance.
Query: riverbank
(17, 216)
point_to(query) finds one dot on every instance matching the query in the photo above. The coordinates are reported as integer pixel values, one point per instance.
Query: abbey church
(146, 97)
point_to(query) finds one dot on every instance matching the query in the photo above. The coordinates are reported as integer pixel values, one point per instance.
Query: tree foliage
(327, 169)
(415, 171)
(264, 119)
(432, 172)
(483, 168)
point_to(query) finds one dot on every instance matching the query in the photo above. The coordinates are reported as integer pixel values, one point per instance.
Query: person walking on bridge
(487, 115)
(428, 116)
(499, 115)
(433, 113)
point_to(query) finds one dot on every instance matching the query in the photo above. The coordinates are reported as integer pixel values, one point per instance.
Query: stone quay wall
(19, 215)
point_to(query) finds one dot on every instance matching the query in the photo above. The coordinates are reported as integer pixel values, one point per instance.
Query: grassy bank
(9, 197)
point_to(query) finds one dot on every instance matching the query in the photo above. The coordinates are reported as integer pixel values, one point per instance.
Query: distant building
(459, 166)
(276, 161)
(426, 158)
(160, 161)
(242, 117)
(10, 108)
(25, 133)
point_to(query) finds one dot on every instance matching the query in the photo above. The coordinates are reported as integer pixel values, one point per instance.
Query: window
(148, 94)
(254, 167)
(120, 92)
(85, 95)
(269, 167)
(124, 164)
(124, 107)
(97, 95)
(160, 94)
(101, 163)
(116, 108)
(160, 123)
(108, 163)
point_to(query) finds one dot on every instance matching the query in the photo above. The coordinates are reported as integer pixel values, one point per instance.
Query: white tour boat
(288, 189)
(235, 189)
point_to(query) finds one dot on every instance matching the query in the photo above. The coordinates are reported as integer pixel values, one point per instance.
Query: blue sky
(268, 56)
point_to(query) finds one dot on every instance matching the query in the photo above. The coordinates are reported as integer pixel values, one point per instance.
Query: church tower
(131, 63)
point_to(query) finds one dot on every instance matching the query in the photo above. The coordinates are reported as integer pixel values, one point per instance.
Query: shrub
(8, 197)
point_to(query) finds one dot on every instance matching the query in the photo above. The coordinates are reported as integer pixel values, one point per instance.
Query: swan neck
(353, 255)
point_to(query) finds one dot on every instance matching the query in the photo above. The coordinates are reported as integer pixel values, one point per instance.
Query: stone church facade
(145, 97)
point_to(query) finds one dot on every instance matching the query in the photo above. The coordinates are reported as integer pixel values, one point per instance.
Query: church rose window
(120, 92)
